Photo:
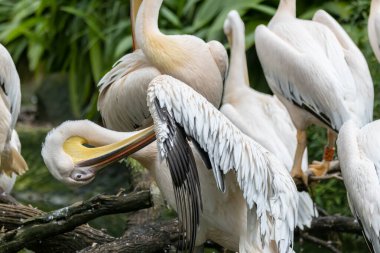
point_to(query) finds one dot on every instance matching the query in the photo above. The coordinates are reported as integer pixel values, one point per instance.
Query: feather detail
(266, 184)
(184, 174)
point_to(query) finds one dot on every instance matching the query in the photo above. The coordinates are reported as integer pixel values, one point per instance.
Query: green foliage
(84, 38)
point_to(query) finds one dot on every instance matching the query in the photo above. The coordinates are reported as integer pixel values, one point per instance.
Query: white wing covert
(265, 183)
(10, 86)
(362, 105)
(322, 96)
(122, 98)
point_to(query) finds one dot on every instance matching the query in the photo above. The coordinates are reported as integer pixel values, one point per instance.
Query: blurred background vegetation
(62, 49)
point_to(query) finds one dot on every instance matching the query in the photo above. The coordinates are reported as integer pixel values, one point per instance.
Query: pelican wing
(363, 104)
(10, 86)
(184, 175)
(266, 185)
(360, 163)
(122, 98)
(220, 56)
(309, 80)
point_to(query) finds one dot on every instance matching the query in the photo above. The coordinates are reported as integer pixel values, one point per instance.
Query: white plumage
(374, 27)
(360, 165)
(188, 58)
(10, 100)
(316, 71)
(258, 115)
(264, 181)
(122, 93)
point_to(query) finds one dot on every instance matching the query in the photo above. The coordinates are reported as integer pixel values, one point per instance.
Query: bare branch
(336, 223)
(68, 218)
(150, 237)
(325, 244)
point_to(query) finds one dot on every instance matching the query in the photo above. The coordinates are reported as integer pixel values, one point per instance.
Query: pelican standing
(185, 57)
(374, 27)
(188, 58)
(11, 160)
(360, 165)
(258, 115)
(272, 207)
(319, 74)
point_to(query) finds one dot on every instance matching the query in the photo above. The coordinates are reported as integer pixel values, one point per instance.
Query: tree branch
(66, 219)
(326, 244)
(334, 223)
(36, 229)
(149, 238)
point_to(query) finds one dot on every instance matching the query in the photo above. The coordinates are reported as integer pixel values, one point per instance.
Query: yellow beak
(85, 156)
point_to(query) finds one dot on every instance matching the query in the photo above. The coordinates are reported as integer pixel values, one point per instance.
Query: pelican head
(233, 22)
(76, 150)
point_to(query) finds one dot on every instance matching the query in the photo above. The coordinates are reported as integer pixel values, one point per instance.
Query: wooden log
(335, 223)
(35, 230)
(147, 238)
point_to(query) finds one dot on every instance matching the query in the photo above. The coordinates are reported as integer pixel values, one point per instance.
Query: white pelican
(122, 99)
(319, 74)
(11, 160)
(188, 58)
(358, 150)
(264, 182)
(183, 56)
(260, 116)
(374, 27)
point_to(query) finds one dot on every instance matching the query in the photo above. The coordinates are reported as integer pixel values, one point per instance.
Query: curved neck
(288, 7)
(348, 142)
(147, 22)
(237, 73)
(375, 5)
(134, 5)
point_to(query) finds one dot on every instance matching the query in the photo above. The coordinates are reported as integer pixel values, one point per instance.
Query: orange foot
(319, 168)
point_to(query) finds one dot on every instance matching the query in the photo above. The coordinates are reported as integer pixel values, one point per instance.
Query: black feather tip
(185, 179)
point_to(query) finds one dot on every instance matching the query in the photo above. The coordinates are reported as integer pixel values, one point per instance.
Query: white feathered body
(315, 64)
(260, 116)
(10, 101)
(122, 93)
(360, 166)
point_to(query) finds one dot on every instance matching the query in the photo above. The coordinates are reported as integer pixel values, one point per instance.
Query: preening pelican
(122, 100)
(374, 27)
(11, 160)
(358, 150)
(260, 116)
(319, 74)
(272, 212)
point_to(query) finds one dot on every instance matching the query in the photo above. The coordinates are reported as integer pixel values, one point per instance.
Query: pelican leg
(296, 171)
(320, 168)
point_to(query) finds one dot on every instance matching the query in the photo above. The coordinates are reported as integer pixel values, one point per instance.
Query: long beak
(135, 5)
(96, 158)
